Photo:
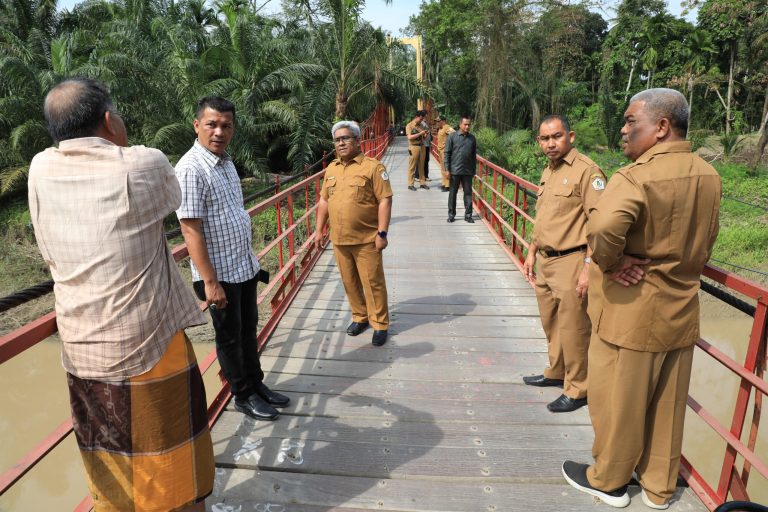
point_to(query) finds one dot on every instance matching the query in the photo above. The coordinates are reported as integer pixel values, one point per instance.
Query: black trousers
(466, 183)
(426, 162)
(236, 327)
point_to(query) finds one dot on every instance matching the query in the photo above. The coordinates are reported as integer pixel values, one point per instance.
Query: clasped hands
(630, 271)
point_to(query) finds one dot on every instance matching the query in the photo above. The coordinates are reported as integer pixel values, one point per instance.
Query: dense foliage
(288, 76)
(512, 61)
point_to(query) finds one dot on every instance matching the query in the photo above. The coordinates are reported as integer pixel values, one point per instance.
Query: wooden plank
(352, 494)
(455, 298)
(406, 433)
(284, 339)
(446, 329)
(418, 308)
(460, 317)
(483, 362)
(347, 404)
(386, 460)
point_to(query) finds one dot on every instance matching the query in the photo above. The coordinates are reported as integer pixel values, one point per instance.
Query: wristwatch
(382, 234)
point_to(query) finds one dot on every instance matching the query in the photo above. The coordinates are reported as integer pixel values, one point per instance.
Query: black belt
(552, 254)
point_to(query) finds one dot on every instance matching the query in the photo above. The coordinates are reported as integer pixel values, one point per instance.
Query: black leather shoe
(469, 219)
(425, 187)
(445, 189)
(566, 404)
(411, 187)
(576, 475)
(451, 218)
(356, 328)
(272, 397)
(256, 408)
(379, 338)
(542, 381)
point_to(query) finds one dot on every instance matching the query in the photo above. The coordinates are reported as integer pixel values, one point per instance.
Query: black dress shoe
(272, 397)
(411, 187)
(256, 408)
(445, 189)
(356, 328)
(469, 219)
(379, 338)
(542, 381)
(425, 187)
(566, 404)
(451, 218)
(576, 475)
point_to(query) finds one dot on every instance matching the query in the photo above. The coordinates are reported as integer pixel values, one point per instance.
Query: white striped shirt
(210, 191)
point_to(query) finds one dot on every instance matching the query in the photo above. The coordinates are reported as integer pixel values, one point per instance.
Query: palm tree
(698, 47)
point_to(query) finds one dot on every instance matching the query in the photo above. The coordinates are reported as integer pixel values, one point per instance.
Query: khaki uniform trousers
(637, 405)
(565, 321)
(416, 157)
(444, 172)
(362, 272)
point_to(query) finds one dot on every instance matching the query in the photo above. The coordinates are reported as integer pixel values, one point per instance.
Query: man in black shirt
(460, 156)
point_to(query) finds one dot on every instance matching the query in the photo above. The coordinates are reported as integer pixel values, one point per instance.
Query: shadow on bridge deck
(437, 419)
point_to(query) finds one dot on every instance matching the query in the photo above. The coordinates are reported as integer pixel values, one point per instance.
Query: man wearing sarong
(137, 396)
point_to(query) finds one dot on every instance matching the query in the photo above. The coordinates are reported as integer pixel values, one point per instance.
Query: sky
(393, 18)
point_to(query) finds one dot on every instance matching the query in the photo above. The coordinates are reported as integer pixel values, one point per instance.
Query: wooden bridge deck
(437, 419)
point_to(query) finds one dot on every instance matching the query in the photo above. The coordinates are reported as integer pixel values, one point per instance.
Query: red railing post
(278, 218)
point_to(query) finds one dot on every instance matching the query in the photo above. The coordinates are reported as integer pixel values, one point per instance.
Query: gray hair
(75, 107)
(349, 125)
(669, 103)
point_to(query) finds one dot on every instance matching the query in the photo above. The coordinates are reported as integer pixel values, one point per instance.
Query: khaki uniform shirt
(442, 136)
(353, 192)
(665, 206)
(567, 194)
(98, 212)
(410, 129)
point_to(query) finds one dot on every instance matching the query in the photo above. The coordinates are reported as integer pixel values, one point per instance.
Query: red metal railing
(295, 256)
(502, 200)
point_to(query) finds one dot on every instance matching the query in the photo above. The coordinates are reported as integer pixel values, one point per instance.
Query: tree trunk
(690, 106)
(629, 82)
(763, 134)
(535, 113)
(341, 104)
(764, 117)
(730, 89)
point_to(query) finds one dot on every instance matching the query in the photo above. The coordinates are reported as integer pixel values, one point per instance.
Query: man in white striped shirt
(217, 230)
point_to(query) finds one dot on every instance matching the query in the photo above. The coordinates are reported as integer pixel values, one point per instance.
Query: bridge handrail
(509, 221)
(293, 269)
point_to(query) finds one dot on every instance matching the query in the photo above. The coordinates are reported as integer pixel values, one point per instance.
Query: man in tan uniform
(416, 150)
(570, 186)
(652, 233)
(357, 197)
(444, 129)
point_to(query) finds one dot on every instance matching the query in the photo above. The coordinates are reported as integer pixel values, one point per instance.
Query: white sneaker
(650, 504)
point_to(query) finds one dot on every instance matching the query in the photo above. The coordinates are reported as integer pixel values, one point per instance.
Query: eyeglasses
(343, 139)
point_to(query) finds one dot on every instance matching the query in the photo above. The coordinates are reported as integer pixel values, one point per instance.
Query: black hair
(557, 117)
(215, 103)
(75, 107)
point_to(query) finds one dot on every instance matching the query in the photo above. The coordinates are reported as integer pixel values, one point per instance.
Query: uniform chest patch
(598, 183)
(384, 176)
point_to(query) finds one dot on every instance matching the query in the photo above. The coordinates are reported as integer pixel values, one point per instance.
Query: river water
(34, 400)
